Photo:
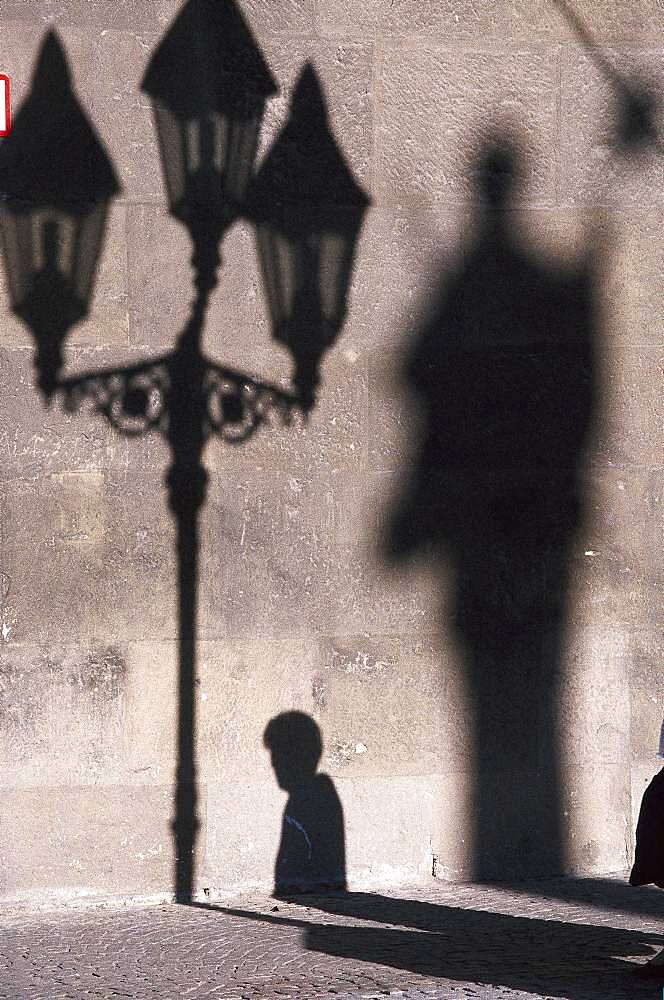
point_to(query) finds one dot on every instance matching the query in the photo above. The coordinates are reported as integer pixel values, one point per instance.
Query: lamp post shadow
(208, 84)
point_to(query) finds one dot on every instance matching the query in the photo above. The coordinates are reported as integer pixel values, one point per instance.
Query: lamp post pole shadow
(187, 398)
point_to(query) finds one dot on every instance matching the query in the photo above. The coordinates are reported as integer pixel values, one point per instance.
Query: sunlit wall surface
(454, 566)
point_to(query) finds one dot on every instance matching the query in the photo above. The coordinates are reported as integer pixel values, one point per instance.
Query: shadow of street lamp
(208, 85)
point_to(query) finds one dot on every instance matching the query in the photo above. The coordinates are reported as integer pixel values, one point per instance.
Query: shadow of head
(498, 172)
(295, 746)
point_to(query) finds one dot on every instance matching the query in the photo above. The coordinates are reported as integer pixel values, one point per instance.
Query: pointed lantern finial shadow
(56, 181)
(308, 211)
(208, 83)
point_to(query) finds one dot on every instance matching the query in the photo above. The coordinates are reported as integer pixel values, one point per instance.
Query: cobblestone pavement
(578, 939)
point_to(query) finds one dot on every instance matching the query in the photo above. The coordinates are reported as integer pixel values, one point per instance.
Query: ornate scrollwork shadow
(136, 400)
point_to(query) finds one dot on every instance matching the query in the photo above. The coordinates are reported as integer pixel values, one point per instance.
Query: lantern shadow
(56, 182)
(503, 373)
(308, 210)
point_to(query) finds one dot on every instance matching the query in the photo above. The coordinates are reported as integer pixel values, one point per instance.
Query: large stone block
(628, 428)
(424, 717)
(270, 552)
(244, 822)
(597, 806)
(109, 68)
(439, 109)
(242, 684)
(594, 169)
(263, 16)
(644, 264)
(134, 15)
(63, 714)
(613, 577)
(391, 823)
(593, 708)
(401, 256)
(88, 558)
(646, 693)
(79, 714)
(76, 841)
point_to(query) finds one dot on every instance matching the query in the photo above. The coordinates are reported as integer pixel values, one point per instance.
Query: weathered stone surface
(263, 17)
(237, 682)
(646, 702)
(88, 558)
(476, 692)
(613, 578)
(645, 260)
(594, 170)
(439, 106)
(628, 423)
(594, 732)
(135, 15)
(64, 713)
(422, 695)
(521, 21)
(238, 854)
(83, 839)
(401, 255)
(398, 813)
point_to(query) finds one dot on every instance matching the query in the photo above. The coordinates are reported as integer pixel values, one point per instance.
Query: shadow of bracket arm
(238, 404)
(133, 399)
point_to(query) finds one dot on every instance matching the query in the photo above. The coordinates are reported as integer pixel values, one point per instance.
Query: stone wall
(463, 738)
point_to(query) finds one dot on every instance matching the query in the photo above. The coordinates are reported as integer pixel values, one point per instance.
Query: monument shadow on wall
(503, 373)
(505, 376)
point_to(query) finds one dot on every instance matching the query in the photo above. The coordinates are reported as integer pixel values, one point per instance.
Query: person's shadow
(503, 374)
(312, 854)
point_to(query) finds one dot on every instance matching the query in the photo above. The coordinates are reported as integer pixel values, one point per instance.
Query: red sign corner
(5, 105)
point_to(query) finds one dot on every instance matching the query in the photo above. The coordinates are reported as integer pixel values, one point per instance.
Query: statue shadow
(503, 373)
